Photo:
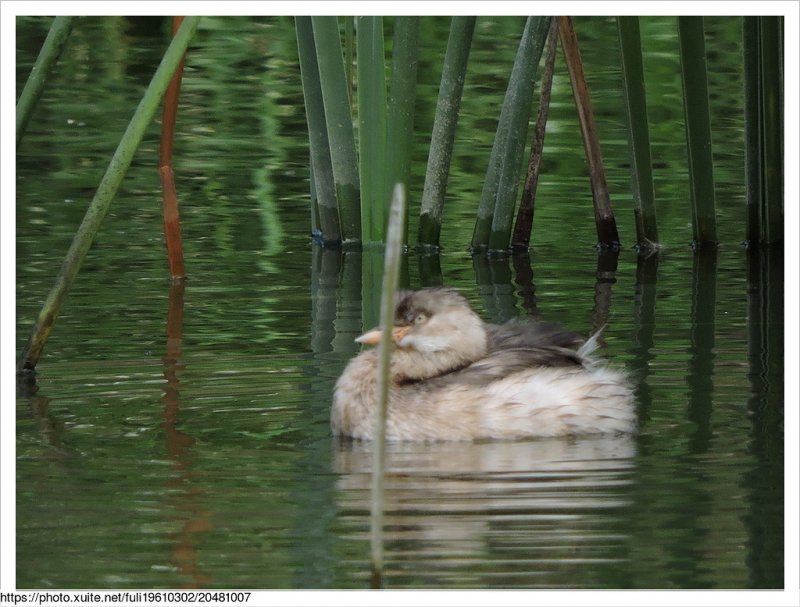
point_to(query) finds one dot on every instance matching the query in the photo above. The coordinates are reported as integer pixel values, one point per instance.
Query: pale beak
(373, 336)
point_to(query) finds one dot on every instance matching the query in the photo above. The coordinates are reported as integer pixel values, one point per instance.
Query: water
(177, 436)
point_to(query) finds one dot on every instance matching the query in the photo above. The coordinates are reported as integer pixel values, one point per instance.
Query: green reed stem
(771, 43)
(349, 45)
(644, 207)
(372, 127)
(393, 256)
(698, 128)
(752, 129)
(339, 123)
(402, 94)
(108, 187)
(444, 130)
(498, 198)
(51, 49)
(324, 209)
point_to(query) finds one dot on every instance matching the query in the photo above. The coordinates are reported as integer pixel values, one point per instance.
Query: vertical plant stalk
(391, 273)
(371, 127)
(316, 230)
(324, 208)
(108, 187)
(51, 50)
(402, 95)
(752, 129)
(349, 45)
(607, 235)
(524, 223)
(172, 219)
(339, 123)
(644, 206)
(771, 37)
(698, 128)
(444, 130)
(498, 197)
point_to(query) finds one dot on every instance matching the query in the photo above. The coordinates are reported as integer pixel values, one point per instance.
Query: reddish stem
(172, 224)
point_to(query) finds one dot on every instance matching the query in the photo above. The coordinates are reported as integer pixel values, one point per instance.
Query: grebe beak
(373, 336)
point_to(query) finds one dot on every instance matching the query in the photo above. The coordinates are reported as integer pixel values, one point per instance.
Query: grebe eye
(419, 319)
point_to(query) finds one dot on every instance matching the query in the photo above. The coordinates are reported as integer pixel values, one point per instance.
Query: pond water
(176, 436)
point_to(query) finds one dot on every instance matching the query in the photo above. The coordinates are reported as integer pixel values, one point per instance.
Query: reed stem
(402, 95)
(499, 194)
(644, 207)
(771, 35)
(444, 130)
(371, 127)
(607, 235)
(339, 125)
(752, 129)
(524, 223)
(694, 74)
(51, 49)
(324, 205)
(349, 45)
(172, 221)
(391, 273)
(108, 187)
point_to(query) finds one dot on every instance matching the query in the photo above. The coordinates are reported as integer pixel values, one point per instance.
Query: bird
(454, 377)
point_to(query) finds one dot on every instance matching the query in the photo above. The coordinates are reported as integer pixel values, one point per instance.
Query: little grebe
(454, 377)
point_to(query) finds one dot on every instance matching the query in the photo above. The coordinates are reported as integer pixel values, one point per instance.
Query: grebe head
(434, 331)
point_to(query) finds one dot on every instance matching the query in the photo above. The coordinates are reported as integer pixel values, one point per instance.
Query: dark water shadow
(50, 427)
(700, 374)
(765, 346)
(336, 301)
(493, 280)
(643, 344)
(429, 266)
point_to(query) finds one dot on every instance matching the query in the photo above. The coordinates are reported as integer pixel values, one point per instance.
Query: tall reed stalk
(498, 197)
(524, 224)
(402, 95)
(324, 206)
(763, 119)
(752, 128)
(339, 123)
(698, 129)
(644, 207)
(444, 130)
(172, 222)
(607, 235)
(371, 127)
(51, 49)
(393, 256)
(108, 187)
(349, 46)
(771, 37)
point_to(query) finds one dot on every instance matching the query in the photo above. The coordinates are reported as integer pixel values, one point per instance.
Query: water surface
(177, 435)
